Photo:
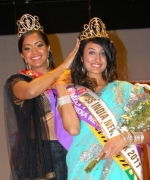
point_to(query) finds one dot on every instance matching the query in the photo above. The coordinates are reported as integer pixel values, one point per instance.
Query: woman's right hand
(112, 147)
(68, 61)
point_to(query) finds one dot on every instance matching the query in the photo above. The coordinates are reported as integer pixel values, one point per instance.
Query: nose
(98, 57)
(34, 50)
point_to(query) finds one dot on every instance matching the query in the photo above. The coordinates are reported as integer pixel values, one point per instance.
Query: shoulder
(123, 84)
(18, 77)
(13, 79)
(131, 87)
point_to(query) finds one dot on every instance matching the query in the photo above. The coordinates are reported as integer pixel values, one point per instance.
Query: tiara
(95, 28)
(28, 22)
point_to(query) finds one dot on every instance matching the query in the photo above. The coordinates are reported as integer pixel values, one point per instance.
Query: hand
(65, 76)
(63, 80)
(112, 147)
(68, 61)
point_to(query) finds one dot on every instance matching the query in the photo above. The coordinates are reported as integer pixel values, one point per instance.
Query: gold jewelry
(64, 100)
(132, 137)
(138, 137)
(67, 72)
(28, 66)
(50, 175)
(95, 28)
(127, 137)
(47, 61)
(52, 75)
(28, 22)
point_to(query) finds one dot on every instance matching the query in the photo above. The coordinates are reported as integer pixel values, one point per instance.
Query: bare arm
(28, 90)
(146, 137)
(116, 144)
(70, 119)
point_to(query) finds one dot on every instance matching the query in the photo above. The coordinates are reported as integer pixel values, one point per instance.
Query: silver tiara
(28, 22)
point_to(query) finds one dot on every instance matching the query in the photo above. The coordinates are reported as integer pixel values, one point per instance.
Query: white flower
(123, 128)
(126, 108)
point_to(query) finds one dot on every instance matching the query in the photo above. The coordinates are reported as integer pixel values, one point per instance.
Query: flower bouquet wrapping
(136, 116)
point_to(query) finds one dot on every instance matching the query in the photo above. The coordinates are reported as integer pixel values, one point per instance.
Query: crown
(95, 28)
(28, 22)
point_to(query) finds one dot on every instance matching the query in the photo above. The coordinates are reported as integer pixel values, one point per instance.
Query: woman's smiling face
(35, 51)
(94, 59)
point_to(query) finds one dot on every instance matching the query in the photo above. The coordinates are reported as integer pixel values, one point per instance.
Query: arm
(70, 119)
(28, 90)
(117, 143)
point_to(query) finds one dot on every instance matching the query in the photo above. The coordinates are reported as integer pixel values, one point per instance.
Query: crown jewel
(95, 28)
(28, 22)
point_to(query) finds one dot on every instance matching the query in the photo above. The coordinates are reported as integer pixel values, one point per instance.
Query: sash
(62, 135)
(97, 114)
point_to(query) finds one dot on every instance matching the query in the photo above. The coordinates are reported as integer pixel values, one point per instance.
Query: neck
(100, 81)
(41, 70)
(100, 87)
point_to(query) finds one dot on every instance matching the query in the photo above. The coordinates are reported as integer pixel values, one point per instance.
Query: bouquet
(136, 116)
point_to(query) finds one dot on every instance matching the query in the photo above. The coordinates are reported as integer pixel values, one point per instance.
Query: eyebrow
(94, 49)
(91, 48)
(33, 43)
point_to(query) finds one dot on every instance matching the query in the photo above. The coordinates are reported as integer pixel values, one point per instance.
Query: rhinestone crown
(28, 22)
(95, 28)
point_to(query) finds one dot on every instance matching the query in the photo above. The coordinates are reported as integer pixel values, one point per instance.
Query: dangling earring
(47, 61)
(105, 72)
(28, 66)
(83, 69)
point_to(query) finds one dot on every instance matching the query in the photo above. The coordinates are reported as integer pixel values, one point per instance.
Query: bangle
(52, 74)
(138, 137)
(131, 137)
(64, 100)
(127, 137)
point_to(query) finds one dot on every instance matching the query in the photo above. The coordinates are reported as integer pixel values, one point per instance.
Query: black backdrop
(63, 16)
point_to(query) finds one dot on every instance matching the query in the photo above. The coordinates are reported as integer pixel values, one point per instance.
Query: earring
(105, 72)
(47, 61)
(83, 69)
(28, 66)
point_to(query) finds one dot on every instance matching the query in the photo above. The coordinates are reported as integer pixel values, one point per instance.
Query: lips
(96, 65)
(36, 58)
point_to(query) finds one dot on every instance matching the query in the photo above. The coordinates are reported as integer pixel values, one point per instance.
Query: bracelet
(138, 137)
(127, 137)
(52, 74)
(132, 137)
(64, 100)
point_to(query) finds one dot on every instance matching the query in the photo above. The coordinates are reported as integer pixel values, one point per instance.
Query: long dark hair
(79, 73)
(44, 38)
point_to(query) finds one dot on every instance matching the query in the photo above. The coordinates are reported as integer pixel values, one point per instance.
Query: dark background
(63, 16)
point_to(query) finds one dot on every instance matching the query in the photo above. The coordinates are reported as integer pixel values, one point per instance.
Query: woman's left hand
(112, 147)
(63, 80)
